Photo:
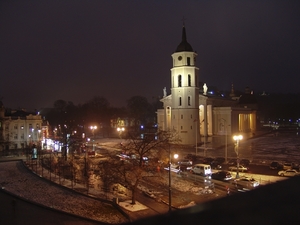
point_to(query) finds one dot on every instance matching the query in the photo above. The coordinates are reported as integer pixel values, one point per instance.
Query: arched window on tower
(179, 101)
(188, 61)
(179, 81)
(189, 100)
(189, 80)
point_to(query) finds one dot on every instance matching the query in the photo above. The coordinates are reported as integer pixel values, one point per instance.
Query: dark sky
(75, 50)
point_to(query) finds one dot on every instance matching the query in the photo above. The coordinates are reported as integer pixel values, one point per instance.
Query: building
(192, 111)
(20, 129)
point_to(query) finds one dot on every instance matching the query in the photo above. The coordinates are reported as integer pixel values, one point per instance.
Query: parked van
(202, 169)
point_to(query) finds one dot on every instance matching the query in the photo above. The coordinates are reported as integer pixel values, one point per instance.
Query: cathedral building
(191, 111)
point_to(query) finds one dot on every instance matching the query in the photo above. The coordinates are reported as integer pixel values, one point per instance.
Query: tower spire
(184, 46)
(183, 30)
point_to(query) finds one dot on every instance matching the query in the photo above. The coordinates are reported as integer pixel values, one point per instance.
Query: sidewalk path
(16, 179)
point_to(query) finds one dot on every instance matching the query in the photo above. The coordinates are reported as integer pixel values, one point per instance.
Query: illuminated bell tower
(185, 93)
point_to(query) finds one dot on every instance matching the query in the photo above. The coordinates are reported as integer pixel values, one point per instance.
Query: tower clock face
(179, 58)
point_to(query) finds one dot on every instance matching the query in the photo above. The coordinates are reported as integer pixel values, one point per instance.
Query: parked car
(185, 162)
(215, 165)
(232, 162)
(287, 166)
(241, 168)
(275, 165)
(222, 175)
(246, 183)
(208, 160)
(201, 169)
(288, 173)
(220, 160)
(245, 162)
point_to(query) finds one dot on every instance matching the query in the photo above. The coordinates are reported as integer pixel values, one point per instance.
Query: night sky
(75, 50)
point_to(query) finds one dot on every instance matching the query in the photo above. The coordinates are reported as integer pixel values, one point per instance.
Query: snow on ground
(15, 179)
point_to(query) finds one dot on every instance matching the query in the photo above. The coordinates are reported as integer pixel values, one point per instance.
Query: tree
(139, 109)
(131, 170)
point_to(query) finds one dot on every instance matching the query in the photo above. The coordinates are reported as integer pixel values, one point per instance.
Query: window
(189, 100)
(16, 127)
(179, 81)
(30, 126)
(22, 136)
(181, 127)
(179, 101)
(181, 116)
(188, 61)
(15, 136)
(189, 80)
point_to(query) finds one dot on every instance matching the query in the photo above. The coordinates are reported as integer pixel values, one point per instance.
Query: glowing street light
(237, 138)
(93, 128)
(120, 130)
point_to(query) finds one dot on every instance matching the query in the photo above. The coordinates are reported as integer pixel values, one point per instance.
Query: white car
(246, 183)
(241, 168)
(288, 173)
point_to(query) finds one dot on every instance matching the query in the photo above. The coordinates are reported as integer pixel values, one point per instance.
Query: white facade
(191, 114)
(20, 132)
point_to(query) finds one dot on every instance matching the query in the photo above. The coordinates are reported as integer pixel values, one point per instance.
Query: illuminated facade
(20, 129)
(191, 111)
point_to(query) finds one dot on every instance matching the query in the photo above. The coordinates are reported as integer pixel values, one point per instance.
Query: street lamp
(237, 138)
(93, 128)
(170, 190)
(120, 130)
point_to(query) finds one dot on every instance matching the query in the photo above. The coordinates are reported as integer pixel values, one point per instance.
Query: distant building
(192, 111)
(20, 129)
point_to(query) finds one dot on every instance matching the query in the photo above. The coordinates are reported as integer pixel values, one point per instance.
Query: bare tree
(129, 170)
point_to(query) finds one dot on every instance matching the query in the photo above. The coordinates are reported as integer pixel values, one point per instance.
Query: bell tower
(185, 93)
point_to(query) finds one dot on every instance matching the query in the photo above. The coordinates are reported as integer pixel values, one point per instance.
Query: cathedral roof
(184, 46)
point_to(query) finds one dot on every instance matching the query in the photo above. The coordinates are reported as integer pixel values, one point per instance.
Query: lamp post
(120, 130)
(93, 128)
(237, 138)
(170, 190)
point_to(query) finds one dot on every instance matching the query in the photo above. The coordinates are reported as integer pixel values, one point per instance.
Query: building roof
(184, 46)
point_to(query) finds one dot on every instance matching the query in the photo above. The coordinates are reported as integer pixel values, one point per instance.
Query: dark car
(208, 160)
(232, 161)
(275, 165)
(185, 162)
(221, 175)
(220, 160)
(245, 162)
(215, 165)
